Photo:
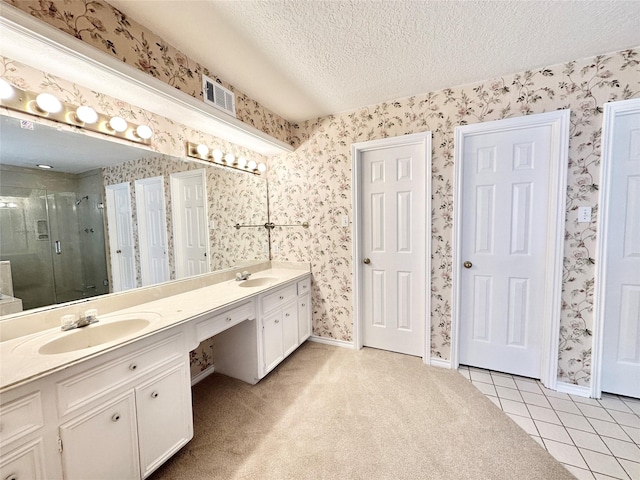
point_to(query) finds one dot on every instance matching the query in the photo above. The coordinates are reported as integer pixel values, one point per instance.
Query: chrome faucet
(89, 317)
(242, 276)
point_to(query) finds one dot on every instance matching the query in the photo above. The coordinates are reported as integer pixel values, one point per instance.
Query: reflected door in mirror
(152, 230)
(190, 223)
(120, 231)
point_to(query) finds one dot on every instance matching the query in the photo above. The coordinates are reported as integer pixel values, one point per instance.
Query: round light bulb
(12, 205)
(45, 166)
(119, 124)
(242, 162)
(144, 132)
(3, 204)
(48, 103)
(217, 155)
(6, 90)
(202, 150)
(86, 114)
(229, 158)
(252, 165)
(262, 167)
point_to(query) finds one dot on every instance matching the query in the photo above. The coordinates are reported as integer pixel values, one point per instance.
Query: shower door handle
(58, 247)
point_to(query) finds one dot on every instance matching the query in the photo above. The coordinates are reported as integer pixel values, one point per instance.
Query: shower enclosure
(56, 244)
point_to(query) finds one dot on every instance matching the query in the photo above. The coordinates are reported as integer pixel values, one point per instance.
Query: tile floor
(593, 439)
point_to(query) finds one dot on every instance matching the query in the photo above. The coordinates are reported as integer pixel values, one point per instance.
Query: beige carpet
(333, 413)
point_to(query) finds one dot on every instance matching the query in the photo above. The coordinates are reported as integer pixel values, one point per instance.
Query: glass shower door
(25, 242)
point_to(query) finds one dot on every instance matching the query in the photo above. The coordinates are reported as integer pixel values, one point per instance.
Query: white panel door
(152, 230)
(191, 231)
(393, 248)
(621, 341)
(505, 205)
(120, 228)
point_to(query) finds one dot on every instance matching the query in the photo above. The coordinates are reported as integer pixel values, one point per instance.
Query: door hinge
(59, 444)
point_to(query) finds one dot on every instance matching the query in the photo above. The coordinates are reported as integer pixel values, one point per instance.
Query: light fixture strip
(197, 150)
(24, 101)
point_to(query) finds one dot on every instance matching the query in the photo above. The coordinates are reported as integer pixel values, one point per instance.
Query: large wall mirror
(54, 224)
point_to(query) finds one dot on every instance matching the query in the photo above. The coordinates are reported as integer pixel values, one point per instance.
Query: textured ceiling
(305, 58)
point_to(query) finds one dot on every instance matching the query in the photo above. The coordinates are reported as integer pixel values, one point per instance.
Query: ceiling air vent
(218, 96)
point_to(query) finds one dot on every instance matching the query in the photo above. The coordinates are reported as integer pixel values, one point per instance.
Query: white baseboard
(202, 375)
(331, 341)
(440, 362)
(578, 390)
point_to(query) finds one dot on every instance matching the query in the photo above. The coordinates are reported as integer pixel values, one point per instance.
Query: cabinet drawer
(211, 326)
(20, 417)
(76, 391)
(278, 298)
(304, 286)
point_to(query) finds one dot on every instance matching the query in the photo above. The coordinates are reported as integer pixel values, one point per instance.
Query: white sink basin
(257, 282)
(93, 335)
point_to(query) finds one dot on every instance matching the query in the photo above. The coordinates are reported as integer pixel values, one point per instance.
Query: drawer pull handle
(228, 319)
(287, 315)
(154, 395)
(277, 321)
(304, 305)
(115, 417)
(133, 366)
(281, 297)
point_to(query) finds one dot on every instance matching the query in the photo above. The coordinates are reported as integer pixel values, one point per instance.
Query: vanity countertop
(20, 361)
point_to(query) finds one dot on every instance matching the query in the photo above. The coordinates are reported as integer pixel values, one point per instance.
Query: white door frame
(176, 217)
(112, 230)
(143, 234)
(559, 122)
(357, 149)
(611, 111)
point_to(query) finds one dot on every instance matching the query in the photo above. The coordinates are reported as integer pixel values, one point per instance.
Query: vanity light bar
(46, 105)
(229, 160)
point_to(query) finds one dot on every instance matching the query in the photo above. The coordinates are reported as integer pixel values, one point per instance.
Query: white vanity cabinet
(128, 414)
(21, 436)
(304, 309)
(282, 328)
(101, 443)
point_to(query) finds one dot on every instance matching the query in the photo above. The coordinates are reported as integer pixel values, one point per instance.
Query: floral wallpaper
(108, 29)
(228, 246)
(314, 184)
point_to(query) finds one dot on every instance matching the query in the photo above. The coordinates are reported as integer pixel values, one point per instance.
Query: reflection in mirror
(53, 223)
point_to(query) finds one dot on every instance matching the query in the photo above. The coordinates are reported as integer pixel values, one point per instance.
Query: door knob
(467, 264)
(367, 261)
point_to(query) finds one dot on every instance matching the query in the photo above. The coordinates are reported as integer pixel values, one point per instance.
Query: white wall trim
(611, 111)
(440, 363)
(559, 122)
(202, 375)
(357, 149)
(332, 341)
(570, 388)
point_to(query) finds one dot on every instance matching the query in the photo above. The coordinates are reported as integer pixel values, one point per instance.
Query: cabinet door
(164, 417)
(24, 463)
(103, 443)
(290, 328)
(304, 317)
(272, 346)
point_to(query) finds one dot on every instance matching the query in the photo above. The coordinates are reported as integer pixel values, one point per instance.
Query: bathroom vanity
(113, 399)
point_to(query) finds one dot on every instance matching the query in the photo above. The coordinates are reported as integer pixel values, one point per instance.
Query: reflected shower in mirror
(53, 223)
